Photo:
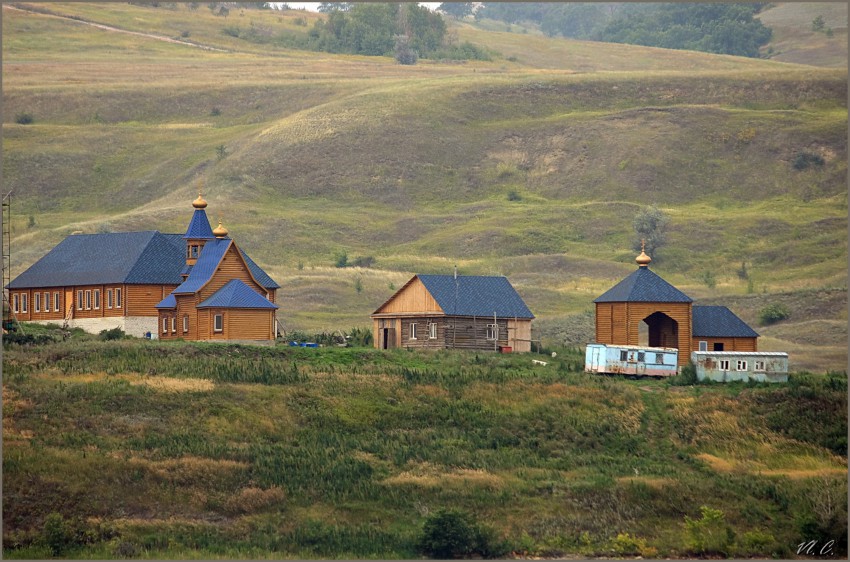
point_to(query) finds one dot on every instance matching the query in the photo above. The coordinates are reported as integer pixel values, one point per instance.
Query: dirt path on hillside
(115, 29)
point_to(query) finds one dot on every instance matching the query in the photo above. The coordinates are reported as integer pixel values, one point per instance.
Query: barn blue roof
(719, 322)
(236, 294)
(199, 227)
(643, 285)
(473, 295)
(114, 257)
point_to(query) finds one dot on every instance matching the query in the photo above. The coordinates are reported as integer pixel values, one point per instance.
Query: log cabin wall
(414, 297)
(729, 344)
(141, 300)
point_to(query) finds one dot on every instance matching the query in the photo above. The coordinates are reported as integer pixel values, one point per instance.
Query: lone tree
(650, 225)
(458, 10)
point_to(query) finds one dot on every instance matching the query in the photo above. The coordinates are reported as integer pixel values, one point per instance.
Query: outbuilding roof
(643, 285)
(719, 322)
(473, 295)
(236, 294)
(147, 257)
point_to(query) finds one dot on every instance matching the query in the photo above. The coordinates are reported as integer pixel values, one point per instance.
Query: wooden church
(195, 286)
(668, 316)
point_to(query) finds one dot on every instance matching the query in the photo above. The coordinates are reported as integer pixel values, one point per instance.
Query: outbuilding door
(387, 338)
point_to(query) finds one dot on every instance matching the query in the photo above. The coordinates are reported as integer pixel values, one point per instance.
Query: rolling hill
(532, 165)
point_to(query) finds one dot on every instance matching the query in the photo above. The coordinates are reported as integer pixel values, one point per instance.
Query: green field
(138, 449)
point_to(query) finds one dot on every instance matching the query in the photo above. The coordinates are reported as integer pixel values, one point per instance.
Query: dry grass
(426, 475)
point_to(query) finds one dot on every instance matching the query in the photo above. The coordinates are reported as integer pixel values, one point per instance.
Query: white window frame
(57, 302)
(218, 322)
(165, 324)
(703, 346)
(185, 323)
(741, 365)
(108, 298)
(46, 301)
(432, 331)
(174, 324)
(492, 332)
(36, 301)
(118, 303)
(413, 330)
(96, 299)
(88, 299)
(25, 304)
(80, 300)
(16, 303)
(724, 364)
(759, 366)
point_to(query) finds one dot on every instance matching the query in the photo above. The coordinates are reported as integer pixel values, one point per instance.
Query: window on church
(97, 299)
(108, 298)
(57, 304)
(36, 298)
(165, 324)
(218, 323)
(24, 303)
(117, 298)
(16, 303)
(185, 324)
(79, 300)
(47, 303)
(173, 324)
(88, 300)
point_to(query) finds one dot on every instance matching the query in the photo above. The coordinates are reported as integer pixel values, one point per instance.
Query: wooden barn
(454, 312)
(643, 302)
(122, 280)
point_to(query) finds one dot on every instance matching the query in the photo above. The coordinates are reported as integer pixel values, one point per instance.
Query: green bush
(709, 534)
(57, 535)
(24, 119)
(453, 533)
(773, 313)
(113, 334)
(687, 376)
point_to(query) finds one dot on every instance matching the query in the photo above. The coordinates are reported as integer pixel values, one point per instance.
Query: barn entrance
(387, 338)
(660, 330)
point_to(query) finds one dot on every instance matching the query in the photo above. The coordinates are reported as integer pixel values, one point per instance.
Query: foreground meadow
(140, 449)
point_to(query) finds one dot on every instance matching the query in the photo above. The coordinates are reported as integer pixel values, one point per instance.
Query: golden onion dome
(220, 231)
(643, 259)
(200, 202)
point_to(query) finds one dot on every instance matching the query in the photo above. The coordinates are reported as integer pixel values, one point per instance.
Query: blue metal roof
(168, 302)
(114, 257)
(472, 295)
(236, 294)
(199, 227)
(719, 322)
(211, 255)
(643, 285)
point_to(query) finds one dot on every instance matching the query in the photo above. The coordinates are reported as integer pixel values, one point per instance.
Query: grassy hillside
(532, 165)
(138, 449)
(794, 40)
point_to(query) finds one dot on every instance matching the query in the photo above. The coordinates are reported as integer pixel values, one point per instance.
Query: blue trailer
(631, 360)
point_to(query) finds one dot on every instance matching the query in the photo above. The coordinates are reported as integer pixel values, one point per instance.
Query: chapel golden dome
(220, 231)
(200, 202)
(643, 259)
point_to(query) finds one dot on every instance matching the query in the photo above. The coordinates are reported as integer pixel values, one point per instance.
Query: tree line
(722, 28)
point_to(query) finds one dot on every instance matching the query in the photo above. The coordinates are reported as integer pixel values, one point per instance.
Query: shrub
(626, 545)
(709, 534)
(113, 334)
(453, 533)
(341, 259)
(687, 376)
(514, 196)
(56, 534)
(363, 261)
(805, 159)
(773, 313)
(24, 119)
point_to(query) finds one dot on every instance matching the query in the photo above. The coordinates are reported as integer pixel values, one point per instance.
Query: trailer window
(641, 357)
(724, 365)
(742, 365)
(659, 358)
(624, 355)
(759, 366)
